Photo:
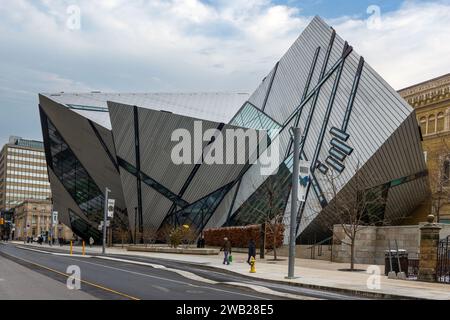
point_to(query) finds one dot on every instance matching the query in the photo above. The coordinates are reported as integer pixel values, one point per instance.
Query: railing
(319, 245)
(443, 263)
(413, 268)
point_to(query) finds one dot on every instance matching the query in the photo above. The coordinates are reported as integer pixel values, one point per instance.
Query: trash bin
(401, 255)
(387, 261)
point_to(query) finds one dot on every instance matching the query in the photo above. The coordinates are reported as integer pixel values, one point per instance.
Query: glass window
(440, 122)
(74, 177)
(253, 118)
(431, 124)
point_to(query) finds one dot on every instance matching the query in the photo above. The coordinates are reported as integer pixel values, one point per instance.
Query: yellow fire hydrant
(252, 265)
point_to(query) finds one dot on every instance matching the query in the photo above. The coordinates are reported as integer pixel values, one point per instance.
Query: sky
(196, 45)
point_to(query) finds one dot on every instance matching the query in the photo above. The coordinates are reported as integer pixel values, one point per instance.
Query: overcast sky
(193, 45)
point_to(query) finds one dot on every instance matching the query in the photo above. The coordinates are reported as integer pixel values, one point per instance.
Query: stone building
(431, 101)
(32, 218)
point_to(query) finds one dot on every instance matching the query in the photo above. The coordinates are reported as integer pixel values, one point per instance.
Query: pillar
(429, 242)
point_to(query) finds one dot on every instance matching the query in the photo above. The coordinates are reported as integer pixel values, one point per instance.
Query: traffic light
(2, 221)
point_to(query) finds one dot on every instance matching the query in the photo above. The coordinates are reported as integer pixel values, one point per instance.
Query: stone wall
(372, 242)
(304, 252)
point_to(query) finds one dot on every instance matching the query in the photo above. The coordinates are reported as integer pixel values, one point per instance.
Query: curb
(360, 293)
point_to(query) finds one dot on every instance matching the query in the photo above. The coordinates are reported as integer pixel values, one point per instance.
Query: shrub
(240, 236)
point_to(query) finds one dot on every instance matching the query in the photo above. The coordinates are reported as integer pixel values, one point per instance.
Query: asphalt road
(20, 283)
(106, 279)
(117, 280)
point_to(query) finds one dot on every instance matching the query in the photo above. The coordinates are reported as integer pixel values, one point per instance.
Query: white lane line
(161, 288)
(170, 280)
(54, 253)
(186, 274)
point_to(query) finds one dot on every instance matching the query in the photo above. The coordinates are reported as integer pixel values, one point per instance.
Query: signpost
(105, 219)
(299, 175)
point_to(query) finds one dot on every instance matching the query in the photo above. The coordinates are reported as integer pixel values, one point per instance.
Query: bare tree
(150, 236)
(439, 178)
(353, 208)
(272, 214)
(189, 236)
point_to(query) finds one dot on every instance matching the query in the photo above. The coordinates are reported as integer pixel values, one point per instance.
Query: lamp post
(135, 224)
(105, 219)
(294, 198)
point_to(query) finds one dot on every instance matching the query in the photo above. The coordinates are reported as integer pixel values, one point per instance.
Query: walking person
(226, 251)
(251, 250)
(91, 242)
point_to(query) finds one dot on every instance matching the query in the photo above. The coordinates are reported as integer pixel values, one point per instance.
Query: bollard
(252, 265)
(84, 248)
(71, 248)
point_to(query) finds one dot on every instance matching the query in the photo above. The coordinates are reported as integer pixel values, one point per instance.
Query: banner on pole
(111, 203)
(303, 179)
(55, 217)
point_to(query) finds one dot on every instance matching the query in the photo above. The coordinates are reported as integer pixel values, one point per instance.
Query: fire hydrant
(252, 265)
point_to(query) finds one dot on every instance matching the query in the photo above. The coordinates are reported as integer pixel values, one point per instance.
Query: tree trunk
(352, 255)
(274, 237)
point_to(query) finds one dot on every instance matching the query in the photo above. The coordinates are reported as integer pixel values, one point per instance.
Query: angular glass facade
(73, 176)
(251, 117)
(83, 229)
(268, 201)
(198, 213)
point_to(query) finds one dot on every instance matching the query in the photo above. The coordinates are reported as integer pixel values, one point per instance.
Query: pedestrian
(251, 250)
(202, 244)
(226, 250)
(91, 242)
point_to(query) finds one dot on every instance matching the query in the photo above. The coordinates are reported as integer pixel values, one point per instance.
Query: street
(124, 279)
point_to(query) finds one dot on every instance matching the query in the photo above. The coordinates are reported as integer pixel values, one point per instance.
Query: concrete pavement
(20, 283)
(118, 279)
(312, 274)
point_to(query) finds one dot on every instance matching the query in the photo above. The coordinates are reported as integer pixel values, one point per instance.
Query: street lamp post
(294, 207)
(135, 224)
(105, 219)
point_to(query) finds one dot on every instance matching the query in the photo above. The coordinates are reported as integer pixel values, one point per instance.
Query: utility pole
(135, 224)
(105, 219)
(294, 198)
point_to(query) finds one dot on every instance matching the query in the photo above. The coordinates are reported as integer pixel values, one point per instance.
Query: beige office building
(23, 173)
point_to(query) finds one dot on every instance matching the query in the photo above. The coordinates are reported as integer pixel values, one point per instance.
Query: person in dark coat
(226, 250)
(251, 250)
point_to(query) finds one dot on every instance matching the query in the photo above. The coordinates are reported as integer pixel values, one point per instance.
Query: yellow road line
(82, 281)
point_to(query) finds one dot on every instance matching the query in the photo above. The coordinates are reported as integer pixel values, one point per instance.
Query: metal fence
(443, 263)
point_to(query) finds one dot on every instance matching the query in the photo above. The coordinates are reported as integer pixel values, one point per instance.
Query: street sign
(55, 217)
(111, 203)
(303, 179)
(100, 226)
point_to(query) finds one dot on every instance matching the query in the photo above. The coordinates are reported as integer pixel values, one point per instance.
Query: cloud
(407, 46)
(192, 45)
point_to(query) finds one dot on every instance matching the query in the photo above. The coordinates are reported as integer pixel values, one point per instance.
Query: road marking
(82, 281)
(170, 280)
(161, 288)
(258, 288)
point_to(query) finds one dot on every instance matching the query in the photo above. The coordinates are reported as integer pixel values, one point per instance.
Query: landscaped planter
(178, 250)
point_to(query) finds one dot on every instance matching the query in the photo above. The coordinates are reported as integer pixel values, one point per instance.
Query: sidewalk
(311, 273)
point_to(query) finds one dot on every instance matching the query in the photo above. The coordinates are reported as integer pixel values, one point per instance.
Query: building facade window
(446, 172)
(440, 122)
(423, 125)
(431, 124)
